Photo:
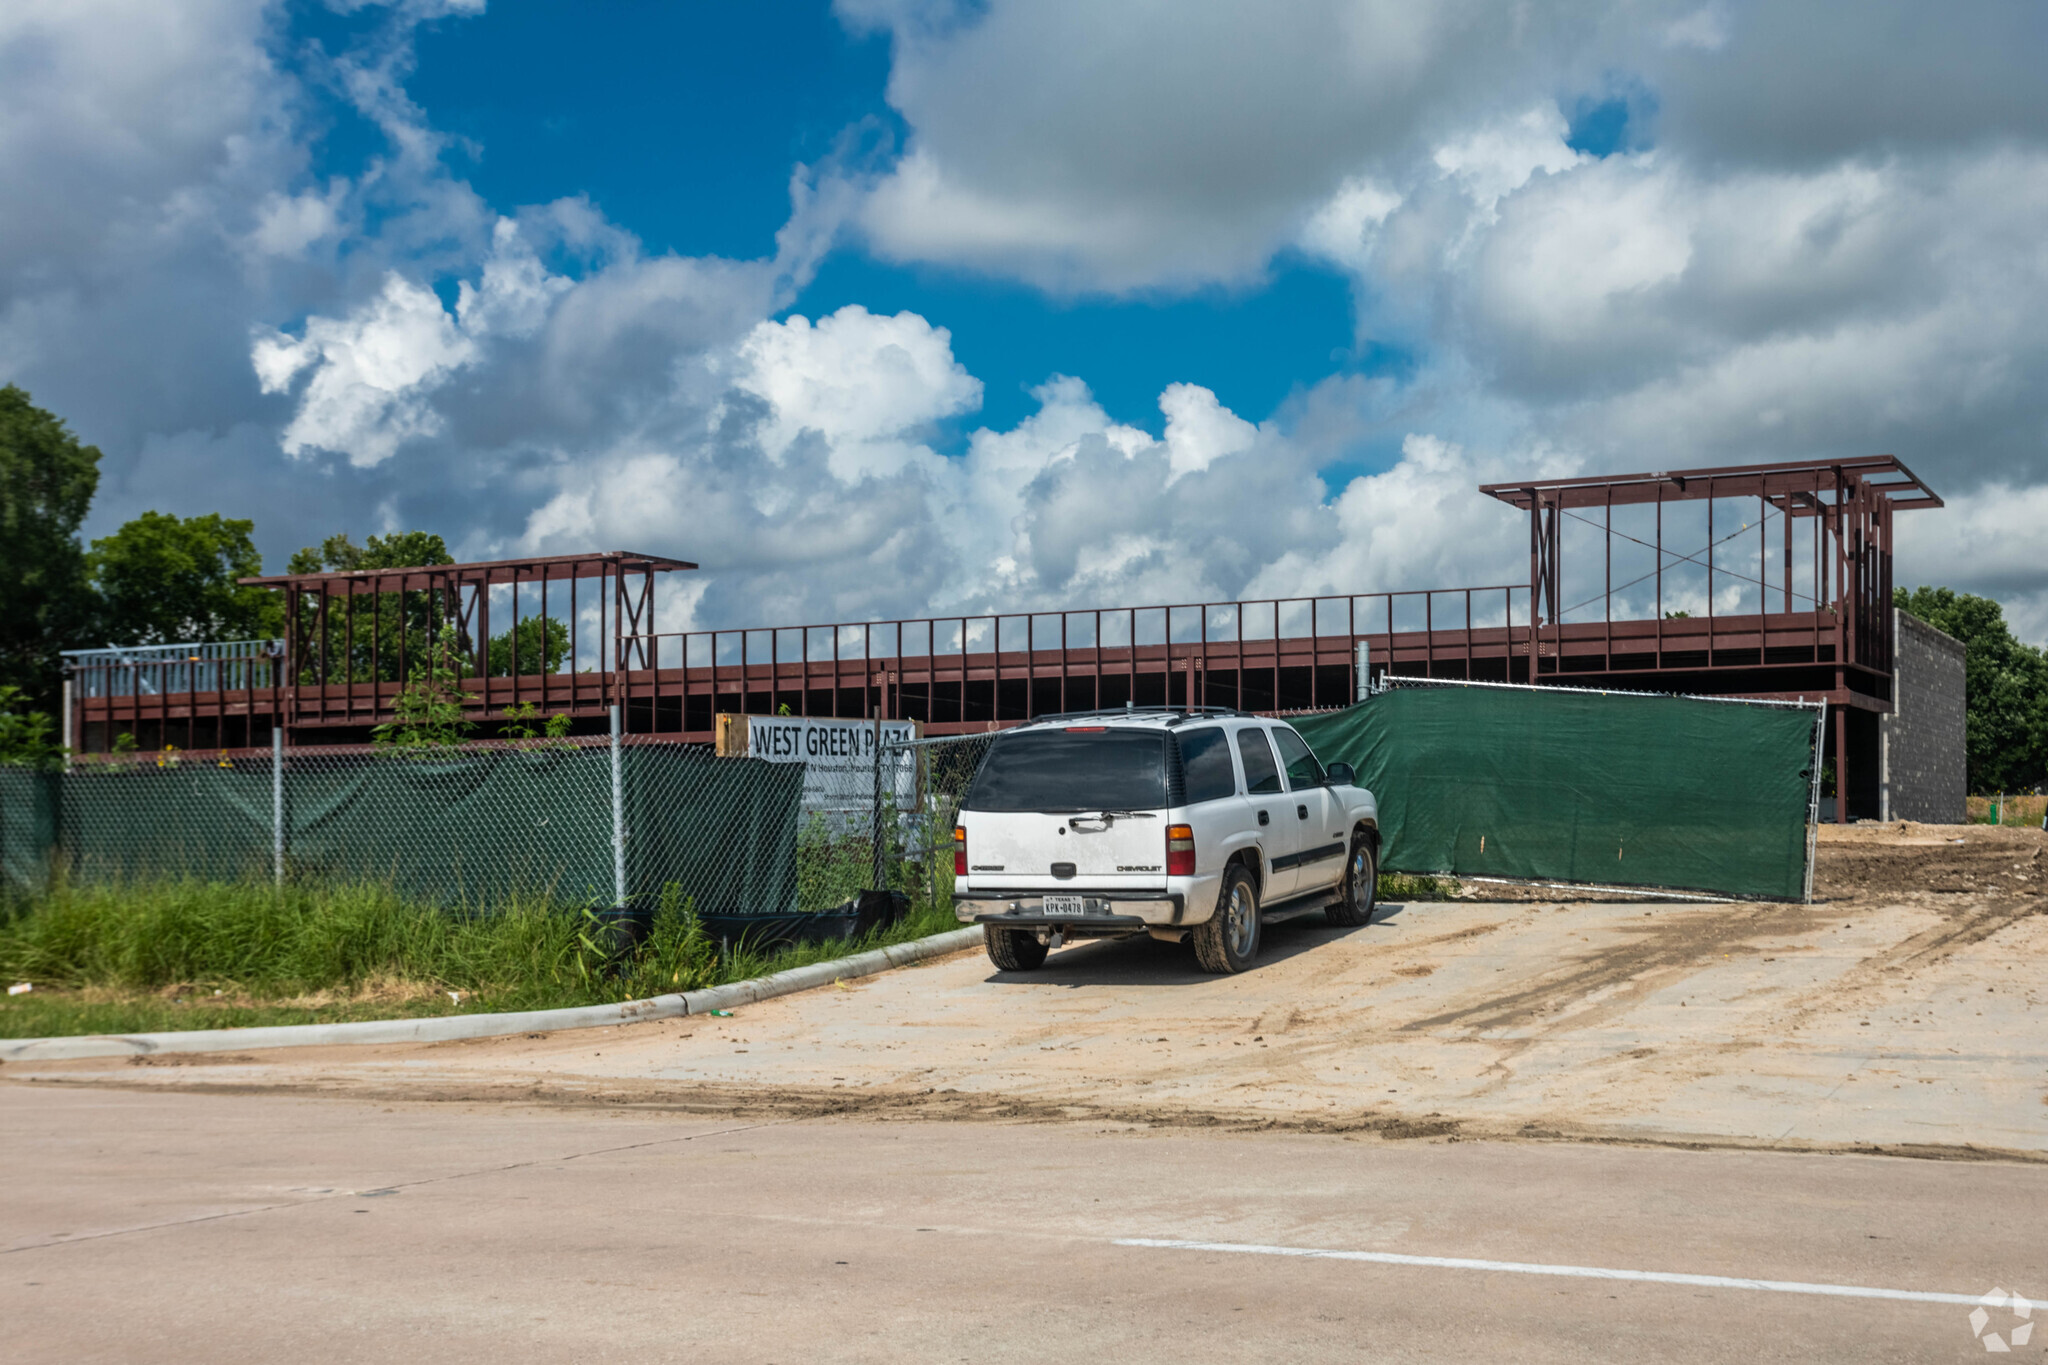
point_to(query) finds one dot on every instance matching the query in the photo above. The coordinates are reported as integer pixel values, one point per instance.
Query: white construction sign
(838, 757)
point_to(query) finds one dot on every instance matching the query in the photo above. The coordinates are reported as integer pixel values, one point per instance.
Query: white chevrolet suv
(1180, 823)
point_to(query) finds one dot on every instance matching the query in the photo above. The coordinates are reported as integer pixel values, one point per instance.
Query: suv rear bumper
(1108, 912)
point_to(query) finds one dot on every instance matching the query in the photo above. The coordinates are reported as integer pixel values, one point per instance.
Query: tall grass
(112, 958)
(2022, 809)
(346, 950)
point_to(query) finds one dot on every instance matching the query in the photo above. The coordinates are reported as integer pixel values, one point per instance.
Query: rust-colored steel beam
(1884, 474)
(975, 671)
(490, 573)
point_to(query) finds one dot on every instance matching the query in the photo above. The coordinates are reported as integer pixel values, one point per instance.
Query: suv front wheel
(1356, 896)
(1229, 939)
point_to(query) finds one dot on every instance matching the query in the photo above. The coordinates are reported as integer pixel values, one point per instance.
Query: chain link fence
(28, 829)
(569, 822)
(925, 782)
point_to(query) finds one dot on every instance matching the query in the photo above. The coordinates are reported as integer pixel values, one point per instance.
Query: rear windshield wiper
(1110, 817)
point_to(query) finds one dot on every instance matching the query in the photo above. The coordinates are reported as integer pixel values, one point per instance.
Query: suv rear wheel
(1229, 939)
(1013, 950)
(1355, 898)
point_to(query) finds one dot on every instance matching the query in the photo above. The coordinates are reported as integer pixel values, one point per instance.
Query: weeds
(110, 958)
(195, 954)
(518, 725)
(1402, 886)
(2023, 809)
(428, 711)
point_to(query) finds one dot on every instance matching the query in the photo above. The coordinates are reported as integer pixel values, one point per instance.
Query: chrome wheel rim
(1243, 921)
(1361, 874)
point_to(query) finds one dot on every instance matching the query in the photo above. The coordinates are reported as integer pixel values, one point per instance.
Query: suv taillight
(959, 850)
(1180, 851)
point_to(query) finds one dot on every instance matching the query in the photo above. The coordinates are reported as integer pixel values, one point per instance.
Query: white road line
(1583, 1272)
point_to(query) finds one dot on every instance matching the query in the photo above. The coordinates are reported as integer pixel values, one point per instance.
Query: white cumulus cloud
(373, 373)
(1820, 236)
(864, 385)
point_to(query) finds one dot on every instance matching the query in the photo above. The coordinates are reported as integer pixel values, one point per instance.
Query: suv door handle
(1265, 819)
(1301, 811)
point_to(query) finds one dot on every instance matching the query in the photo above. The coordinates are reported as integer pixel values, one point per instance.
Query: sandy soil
(1903, 1011)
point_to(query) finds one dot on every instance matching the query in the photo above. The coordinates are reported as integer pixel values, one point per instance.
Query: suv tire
(1359, 891)
(1229, 939)
(1013, 950)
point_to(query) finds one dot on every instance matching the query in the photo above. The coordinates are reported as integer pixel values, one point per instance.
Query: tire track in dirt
(1973, 925)
(1667, 947)
(1963, 927)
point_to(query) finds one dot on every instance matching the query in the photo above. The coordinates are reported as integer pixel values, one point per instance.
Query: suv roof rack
(1185, 712)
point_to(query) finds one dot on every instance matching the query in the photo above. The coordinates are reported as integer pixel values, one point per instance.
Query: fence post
(618, 818)
(875, 813)
(277, 805)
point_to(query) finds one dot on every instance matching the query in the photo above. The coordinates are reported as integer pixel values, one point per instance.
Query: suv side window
(1205, 761)
(1302, 769)
(1261, 773)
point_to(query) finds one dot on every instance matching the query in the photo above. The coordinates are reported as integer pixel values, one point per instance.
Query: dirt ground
(1903, 1011)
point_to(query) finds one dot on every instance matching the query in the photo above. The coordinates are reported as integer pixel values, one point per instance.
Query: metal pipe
(618, 817)
(277, 805)
(875, 814)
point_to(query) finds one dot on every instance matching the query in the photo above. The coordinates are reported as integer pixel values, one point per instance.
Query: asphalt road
(153, 1224)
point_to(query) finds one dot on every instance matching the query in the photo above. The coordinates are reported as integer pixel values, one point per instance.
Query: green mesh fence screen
(28, 829)
(724, 830)
(1617, 789)
(476, 829)
(471, 829)
(468, 828)
(166, 817)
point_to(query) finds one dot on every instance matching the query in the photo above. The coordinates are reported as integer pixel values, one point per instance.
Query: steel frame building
(1822, 631)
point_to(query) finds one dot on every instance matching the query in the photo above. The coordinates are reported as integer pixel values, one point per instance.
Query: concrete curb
(451, 1027)
(825, 973)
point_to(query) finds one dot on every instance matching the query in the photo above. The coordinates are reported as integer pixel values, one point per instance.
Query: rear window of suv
(1062, 771)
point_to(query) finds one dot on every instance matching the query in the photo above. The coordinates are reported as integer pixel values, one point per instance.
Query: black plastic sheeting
(869, 911)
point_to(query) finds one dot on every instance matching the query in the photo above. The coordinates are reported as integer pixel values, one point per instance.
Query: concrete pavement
(173, 1226)
(1909, 1025)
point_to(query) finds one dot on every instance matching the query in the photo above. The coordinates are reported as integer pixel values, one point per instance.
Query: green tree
(28, 739)
(2005, 687)
(163, 579)
(399, 550)
(47, 479)
(543, 644)
(374, 631)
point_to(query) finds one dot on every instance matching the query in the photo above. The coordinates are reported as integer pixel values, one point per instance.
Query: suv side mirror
(1340, 775)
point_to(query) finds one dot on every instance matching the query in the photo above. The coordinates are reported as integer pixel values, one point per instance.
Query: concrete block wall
(1921, 755)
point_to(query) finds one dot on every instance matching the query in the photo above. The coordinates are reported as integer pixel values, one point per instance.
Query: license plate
(1066, 905)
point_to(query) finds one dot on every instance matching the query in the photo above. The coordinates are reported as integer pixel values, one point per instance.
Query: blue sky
(682, 123)
(786, 288)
